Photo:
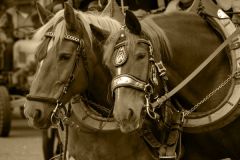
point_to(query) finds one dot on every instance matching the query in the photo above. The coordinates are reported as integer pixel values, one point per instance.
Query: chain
(187, 112)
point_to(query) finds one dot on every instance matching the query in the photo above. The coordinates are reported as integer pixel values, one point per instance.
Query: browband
(66, 36)
(123, 43)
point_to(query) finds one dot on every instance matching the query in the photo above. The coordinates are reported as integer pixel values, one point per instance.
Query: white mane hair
(58, 23)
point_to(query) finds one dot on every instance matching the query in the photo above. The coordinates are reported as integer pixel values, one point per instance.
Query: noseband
(130, 81)
(58, 101)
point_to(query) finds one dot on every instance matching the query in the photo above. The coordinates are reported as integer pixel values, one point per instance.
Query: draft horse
(148, 58)
(70, 65)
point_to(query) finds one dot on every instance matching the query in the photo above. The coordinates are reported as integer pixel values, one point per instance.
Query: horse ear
(132, 23)
(70, 17)
(100, 34)
(44, 14)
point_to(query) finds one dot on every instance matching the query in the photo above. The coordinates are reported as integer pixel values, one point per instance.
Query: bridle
(126, 80)
(58, 102)
(152, 90)
(61, 113)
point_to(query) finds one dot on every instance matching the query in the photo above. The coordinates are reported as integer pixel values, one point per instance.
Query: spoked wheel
(5, 112)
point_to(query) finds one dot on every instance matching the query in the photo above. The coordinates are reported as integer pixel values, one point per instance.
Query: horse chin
(130, 127)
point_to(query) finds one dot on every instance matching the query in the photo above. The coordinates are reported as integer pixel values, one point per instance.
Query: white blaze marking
(117, 90)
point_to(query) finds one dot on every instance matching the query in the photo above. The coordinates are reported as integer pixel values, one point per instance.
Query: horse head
(64, 62)
(130, 54)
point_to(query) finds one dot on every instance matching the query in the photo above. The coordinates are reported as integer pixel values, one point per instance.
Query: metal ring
(151, 114)
(148, 89)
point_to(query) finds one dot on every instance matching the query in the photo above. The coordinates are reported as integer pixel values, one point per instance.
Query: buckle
(174, 157)
(161, 69)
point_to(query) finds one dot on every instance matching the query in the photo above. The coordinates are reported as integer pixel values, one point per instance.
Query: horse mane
(57, 25)
(158, 38)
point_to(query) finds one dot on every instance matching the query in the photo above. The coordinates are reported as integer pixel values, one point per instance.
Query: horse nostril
(37, 114)
(130, 115)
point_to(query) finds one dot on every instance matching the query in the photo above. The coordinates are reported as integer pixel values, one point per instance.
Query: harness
(170, 145)
(61, 113)
(152, 105)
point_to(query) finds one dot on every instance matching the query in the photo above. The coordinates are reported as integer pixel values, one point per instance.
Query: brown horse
(182, 41)
(69, 65)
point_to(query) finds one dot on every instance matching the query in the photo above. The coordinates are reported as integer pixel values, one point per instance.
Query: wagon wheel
(5, 112)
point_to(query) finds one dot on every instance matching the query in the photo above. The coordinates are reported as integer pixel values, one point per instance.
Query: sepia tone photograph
(119, 79)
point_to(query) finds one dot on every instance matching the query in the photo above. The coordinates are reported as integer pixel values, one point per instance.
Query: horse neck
(191, 41)
(99, 83)
(98, 89)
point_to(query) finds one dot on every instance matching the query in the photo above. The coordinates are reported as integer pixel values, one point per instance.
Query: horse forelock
(158, 38)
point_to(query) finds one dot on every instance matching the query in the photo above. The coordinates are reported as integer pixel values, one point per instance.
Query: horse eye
(64, 56)
(140, 55)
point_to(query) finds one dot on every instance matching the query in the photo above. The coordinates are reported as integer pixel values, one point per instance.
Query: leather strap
(125, 80)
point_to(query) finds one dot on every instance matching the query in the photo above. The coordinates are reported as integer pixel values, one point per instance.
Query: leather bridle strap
(168, 95)
(126, 80)
(42, 99)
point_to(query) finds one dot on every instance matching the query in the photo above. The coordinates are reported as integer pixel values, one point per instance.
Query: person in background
(178, 5)
(18, 22)
(17, 25)
(231, 6)
(142, 8)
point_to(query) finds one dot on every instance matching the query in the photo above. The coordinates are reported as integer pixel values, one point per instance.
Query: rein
(126, 80)
(166, 96)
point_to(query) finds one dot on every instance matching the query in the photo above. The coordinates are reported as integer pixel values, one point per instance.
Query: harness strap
(41, 99)
(125, 80)
(168, 95)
